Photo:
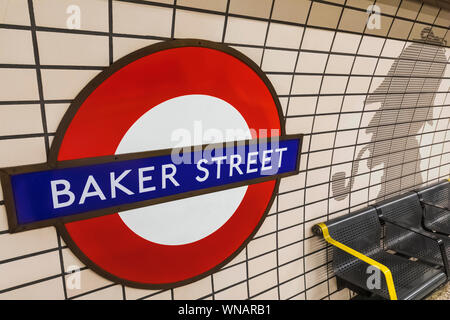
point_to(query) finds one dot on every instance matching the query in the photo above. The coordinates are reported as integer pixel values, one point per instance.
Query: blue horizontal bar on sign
(62, 192)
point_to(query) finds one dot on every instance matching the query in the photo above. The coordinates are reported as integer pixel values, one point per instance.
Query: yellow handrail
(387, 273)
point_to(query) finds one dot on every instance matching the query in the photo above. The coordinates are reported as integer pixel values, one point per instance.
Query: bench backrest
(405, 208)
(360, 230)
(438, 194)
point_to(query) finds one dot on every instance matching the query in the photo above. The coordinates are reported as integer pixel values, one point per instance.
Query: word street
(135, 180)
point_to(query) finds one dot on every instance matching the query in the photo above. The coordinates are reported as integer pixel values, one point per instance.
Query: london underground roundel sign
(144, 181)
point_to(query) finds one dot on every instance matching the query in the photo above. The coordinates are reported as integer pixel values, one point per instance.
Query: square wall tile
(284, 36)
(306, 84)
(252, 8)
(329, 104)
(322, 141)
(238, 259)
(254, 54)
(290, 253)
(279, 60)
(358, 85)
(346, 42)
(18, 84)
(65, 84)
(293, 182)
(147, 19)
(309, 62)
(190, 24)
(72, 49)
(229, 276)
(385, 24)
(268, 226)
(388, 6)
(318, 176)
(262, 282)
(319, 159)
(349, 121)
(291, 10)
(22, 151)
(290, 235)
(400, 29)
(299, 125)
(316, 39)
(123, 46)
(291, 270)
(302, 106)
(20, 119)
(318, 292)
(57, 13)
(238, 292)
(215, 5)
(54, 114)
(245, 31)
(393, 48)
(334, 84)
(281, 83)
(46, 290)
(290, 200)
(316, 260)
(324, 15)
(261, 264)
(261, 245)
(194, 290)
(325, 123)
(290, 218)
(443, 18)
(17, 47)
(353, 20)
(334, 205)
(341, 64)
(416, 32)
(409, 9)
(14, 12)
(292, 288)
(364, 65)
(371, 46)
(345, 138)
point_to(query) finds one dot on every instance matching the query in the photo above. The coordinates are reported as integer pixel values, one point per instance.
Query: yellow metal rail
(387, 273)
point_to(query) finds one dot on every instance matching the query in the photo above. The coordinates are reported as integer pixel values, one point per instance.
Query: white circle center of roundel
(199, 119)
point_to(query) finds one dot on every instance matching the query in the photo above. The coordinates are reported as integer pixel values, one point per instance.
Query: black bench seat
(435, 201)
(359, 255)
(404, 232)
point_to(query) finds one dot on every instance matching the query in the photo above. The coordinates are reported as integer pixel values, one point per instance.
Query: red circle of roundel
(112, 103)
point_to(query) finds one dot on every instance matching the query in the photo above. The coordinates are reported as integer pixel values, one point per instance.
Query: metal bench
(404, 232)
(358, 251)
(435, 201)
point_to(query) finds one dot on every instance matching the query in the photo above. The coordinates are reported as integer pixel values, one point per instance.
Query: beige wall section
(324, 63)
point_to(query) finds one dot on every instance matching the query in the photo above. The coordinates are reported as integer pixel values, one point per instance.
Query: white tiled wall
(322, 76)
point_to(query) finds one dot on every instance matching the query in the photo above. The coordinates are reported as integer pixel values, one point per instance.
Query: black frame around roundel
(92, 85)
